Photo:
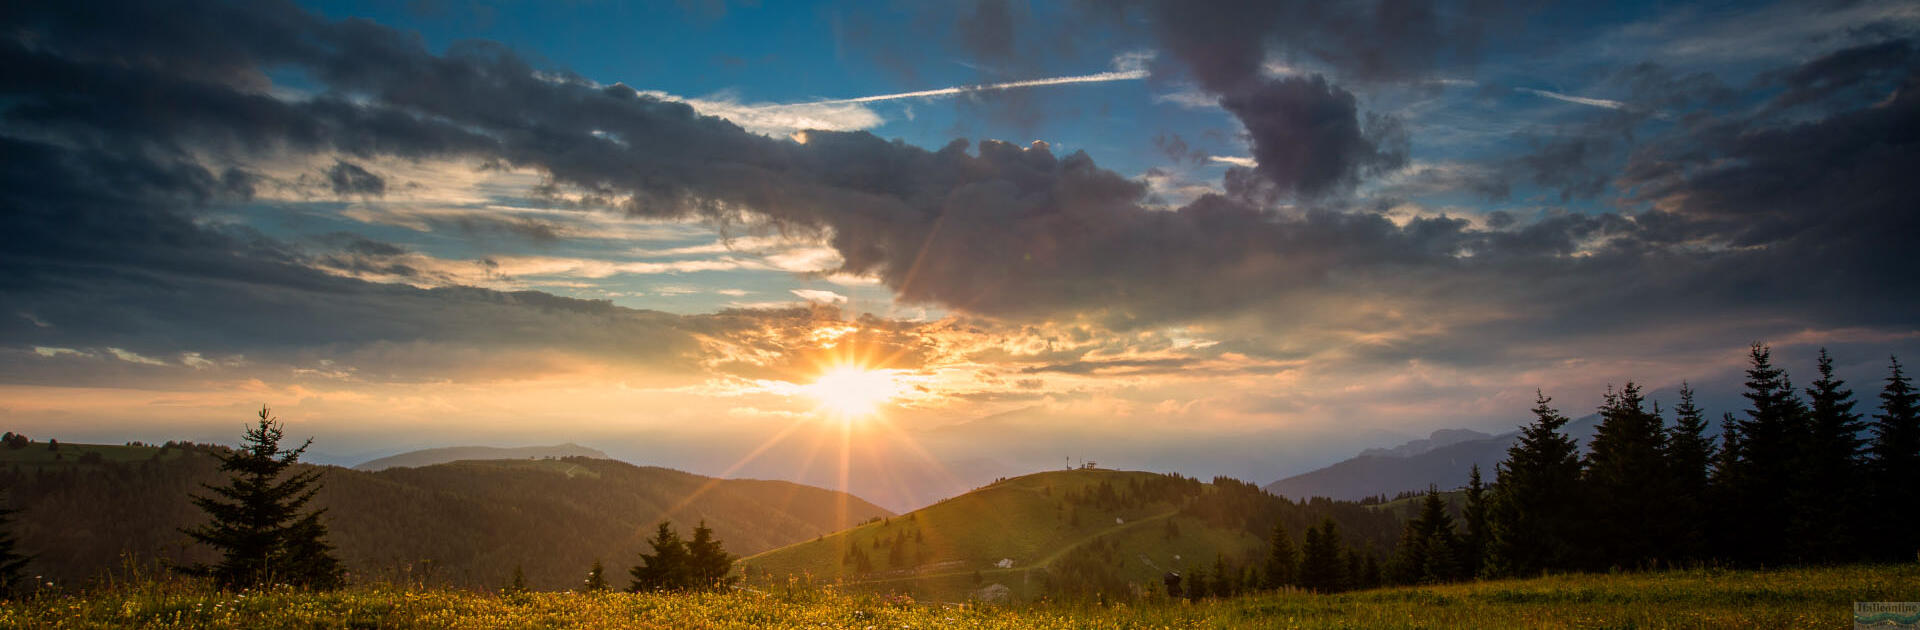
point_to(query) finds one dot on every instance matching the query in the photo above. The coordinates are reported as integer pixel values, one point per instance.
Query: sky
(1242, 238)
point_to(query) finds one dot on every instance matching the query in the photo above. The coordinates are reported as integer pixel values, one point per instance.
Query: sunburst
(852, 392)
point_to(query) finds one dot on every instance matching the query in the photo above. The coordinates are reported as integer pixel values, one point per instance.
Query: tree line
(1798, 477)
(1791, 480)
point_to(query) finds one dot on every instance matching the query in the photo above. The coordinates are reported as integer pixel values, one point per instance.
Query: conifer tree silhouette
(258, 519)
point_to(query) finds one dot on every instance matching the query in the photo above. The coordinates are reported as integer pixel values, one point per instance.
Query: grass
(1791, 598)
(1025, 520)
(556, 466)
(36, 455)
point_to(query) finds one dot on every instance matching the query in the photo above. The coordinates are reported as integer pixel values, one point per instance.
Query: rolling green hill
(466, 524)
(431, 456)
(1055, 532)
(32, 456)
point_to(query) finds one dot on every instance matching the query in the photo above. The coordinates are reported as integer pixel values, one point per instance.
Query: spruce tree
(708, 562)
(1321, 568)
(1223, 577)
(517, 583)
(1724, 487)
(1627, 483)
(1534, 513)
(1896, 468)
(667, 568)
(13, 563)
(1830, 465)
(1426, 554)
(1354, 570)
(1311, 575)
(1473, 542)
(1690, 455)
(257, 520)
(1199, 584)
(1281, 563)
(596, 581)
(1441, 562)
(1763, 503)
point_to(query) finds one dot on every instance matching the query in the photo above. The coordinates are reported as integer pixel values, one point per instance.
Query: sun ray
(750, 456)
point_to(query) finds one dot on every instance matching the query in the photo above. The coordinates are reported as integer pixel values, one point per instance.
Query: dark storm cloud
(1307, 133)
(1001, 229)
(357, 244)
(106, 110)
(1224, 43)
(1832, 199)
(1307, 137)
(103, 251)
(1851, 72)
(348, 178)
(1578, 166)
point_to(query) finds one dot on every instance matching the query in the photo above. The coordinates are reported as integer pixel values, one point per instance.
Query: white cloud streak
(1103, 77)
(1577, 100)
(781, 119)
(1235, 160)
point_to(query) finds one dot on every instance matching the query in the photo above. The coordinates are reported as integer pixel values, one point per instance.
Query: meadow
(1704, 598)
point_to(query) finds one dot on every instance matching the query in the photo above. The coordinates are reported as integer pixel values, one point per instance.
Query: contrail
(1126, 75)
(1579, 100)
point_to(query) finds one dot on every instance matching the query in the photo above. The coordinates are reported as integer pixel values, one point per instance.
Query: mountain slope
(466, 523)
(431, 456)
(1369, 475)
(1439, 439)
(1058, 533)
(1380, 471)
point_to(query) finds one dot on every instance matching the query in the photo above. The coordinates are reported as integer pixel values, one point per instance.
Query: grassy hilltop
(1797, 598)
(1023, 533)
(38, 456)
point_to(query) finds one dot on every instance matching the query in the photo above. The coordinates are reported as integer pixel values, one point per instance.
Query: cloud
(105, 197)
(1189, 98)
(1577, 100)
(780, 120)
(348, 178)
(1850, 74)
(134, 357)
(395, 265)
(959, 90)
(1780, 32)
(988, 31)
(817, 296)
(1307, 136)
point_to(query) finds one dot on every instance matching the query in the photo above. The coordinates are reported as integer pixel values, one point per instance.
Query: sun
(852, 391)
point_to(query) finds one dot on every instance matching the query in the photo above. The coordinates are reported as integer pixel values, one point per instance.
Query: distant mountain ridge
(1439, 439)
(1444, 459)
(444, 455)
(468, 523)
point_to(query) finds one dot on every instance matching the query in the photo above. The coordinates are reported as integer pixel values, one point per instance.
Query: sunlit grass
(1795, 598)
